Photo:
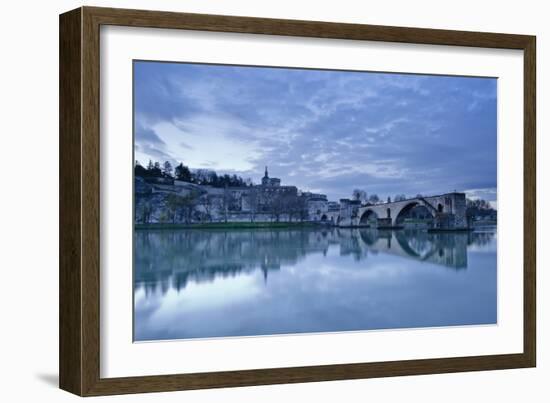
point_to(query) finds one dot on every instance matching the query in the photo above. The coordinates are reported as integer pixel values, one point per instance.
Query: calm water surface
(219, 283)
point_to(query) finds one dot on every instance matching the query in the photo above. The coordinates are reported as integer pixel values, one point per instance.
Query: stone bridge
(448, 211)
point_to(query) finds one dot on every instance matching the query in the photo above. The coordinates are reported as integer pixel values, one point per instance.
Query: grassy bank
(223, 225)
(484, 223)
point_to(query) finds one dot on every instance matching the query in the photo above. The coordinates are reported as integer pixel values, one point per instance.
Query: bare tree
(292, 205)
(299, 207)
(359, 195)
(167, 169)
(181, 208)
(228, 203)
(225, 204)
(143, 212)
(254, 203)
(202, 176)
(399, 197)
(277, 205)
(208, 204)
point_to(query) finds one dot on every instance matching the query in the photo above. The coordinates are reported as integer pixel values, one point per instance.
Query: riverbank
(224, 225)
(484, 223)
(450, 230)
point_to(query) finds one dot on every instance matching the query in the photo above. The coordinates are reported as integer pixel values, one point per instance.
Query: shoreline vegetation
(226, 225)
(263, 224)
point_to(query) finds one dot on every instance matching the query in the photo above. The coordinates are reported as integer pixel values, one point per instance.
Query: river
(199, 283)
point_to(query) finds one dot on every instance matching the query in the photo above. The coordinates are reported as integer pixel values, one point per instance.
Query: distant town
(179, 196)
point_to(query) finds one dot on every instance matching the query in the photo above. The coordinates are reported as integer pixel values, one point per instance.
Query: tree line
(478, 207)
(364, 198)
(183, 173)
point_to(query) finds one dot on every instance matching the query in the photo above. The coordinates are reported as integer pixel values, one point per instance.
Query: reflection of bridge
(443, 249)
(169, 259)
(448, 212)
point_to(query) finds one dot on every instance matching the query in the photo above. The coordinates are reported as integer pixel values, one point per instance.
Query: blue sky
(323, 131)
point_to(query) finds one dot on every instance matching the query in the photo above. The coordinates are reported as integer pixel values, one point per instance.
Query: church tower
(265, 179)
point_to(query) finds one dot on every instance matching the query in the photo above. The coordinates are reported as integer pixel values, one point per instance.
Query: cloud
(326, 130)
(148, 145)
(147, 135)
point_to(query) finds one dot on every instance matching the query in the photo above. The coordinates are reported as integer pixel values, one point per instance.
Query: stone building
(317, 206)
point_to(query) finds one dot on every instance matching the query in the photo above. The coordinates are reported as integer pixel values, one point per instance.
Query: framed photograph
(249, 201)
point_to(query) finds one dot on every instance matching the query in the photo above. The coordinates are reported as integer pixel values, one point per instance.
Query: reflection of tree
(165, 259)
(480, 238)
(203, 255)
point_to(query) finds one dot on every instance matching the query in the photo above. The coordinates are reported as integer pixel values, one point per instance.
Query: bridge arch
(368, 217)
(406, 209)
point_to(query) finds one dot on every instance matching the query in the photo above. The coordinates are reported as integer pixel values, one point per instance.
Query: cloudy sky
(323, 131)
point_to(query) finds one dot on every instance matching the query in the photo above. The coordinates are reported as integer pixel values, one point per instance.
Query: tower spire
(266, 175)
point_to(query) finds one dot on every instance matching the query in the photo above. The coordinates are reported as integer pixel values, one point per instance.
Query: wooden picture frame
(79, 346)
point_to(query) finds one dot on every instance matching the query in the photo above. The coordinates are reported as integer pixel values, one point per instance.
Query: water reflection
(202, 255)
(181, 274)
